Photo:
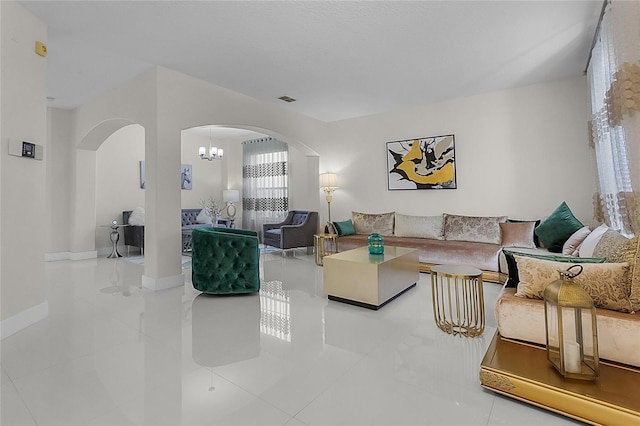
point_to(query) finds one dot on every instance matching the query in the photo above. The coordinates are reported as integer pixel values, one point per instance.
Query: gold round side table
(324, 244)
(458, 299)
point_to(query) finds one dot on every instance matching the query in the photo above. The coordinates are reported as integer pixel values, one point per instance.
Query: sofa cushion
(473, 228)
(617, 248)
(571, 247)
(557, 228)
(436, 252)
(366, 223)
(608, 284)
(419, 226)
(344, 228)
(512, 267)
(517, 234)
(136, 218)
(330, 228)
(589, 243)
(536, 240)
(299, 218)
(189, 216)
(523, 319)
(203, 217)
(612, 245)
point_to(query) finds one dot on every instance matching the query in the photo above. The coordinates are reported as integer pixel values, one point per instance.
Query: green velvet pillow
(557, 228)
(512, 266)
(345, 227)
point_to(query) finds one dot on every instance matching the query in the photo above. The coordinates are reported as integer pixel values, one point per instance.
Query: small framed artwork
(185, 176)
(425, 163)
(142, 174)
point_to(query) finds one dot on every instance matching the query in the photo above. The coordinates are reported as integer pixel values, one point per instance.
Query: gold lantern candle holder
(571, 327)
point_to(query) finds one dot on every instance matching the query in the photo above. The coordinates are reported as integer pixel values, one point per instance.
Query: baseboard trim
(54, 257)
(163, 283)
(23, 319)
(84, 255)
(67, 255)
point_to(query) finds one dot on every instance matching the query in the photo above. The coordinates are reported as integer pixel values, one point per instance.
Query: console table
(114, 237)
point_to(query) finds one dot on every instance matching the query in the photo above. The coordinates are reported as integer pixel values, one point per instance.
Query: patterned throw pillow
(617, 248)
(472, 228)
(365, 223)
(608, 284)
(512, 267)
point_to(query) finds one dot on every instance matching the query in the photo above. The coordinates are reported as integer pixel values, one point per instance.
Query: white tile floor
(111, 353)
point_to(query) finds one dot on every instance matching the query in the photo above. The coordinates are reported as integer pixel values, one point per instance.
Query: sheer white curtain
(265, 182)
(614, 80)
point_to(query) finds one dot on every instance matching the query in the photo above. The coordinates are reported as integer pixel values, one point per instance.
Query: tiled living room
(112, 353)
(149, 147)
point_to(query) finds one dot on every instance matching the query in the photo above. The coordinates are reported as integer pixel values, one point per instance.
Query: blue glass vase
(376, 244)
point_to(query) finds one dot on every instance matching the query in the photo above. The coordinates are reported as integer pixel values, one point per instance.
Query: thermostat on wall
(26, 149)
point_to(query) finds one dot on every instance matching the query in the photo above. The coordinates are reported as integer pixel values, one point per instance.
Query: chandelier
(214, 153)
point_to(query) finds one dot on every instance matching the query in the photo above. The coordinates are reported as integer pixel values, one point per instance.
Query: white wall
(303, 180)
(208, 176)
(118, 180)
(22, 187)
(58, 183)
(519, 152)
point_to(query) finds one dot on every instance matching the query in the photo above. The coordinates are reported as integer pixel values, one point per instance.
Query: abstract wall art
(425, 163)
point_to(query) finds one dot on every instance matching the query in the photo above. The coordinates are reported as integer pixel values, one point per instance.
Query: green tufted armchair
(225, 260)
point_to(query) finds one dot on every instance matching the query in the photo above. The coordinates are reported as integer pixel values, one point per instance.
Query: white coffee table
(370, 281)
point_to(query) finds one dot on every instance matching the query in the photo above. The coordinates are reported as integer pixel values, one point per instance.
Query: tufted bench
(225, 260)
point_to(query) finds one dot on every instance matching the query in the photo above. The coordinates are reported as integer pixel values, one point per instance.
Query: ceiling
(338, 59)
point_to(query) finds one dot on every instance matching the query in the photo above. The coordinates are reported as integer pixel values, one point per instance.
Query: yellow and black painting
(427, 163)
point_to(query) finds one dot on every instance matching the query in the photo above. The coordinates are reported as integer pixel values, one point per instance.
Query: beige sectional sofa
(443, 239)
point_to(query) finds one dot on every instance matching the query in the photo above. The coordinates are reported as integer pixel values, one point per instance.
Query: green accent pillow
(512, 266)
(345, 227)
(557, 228)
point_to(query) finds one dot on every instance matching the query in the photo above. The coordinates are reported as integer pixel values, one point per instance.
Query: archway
(303, 170)
(83, 193)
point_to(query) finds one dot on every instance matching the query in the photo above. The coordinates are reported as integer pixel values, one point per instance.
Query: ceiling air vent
(286, 99)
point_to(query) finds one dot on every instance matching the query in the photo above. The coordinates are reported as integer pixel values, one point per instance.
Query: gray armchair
(296, 230)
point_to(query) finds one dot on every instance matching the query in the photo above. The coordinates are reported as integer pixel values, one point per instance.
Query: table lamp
(231, 196)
